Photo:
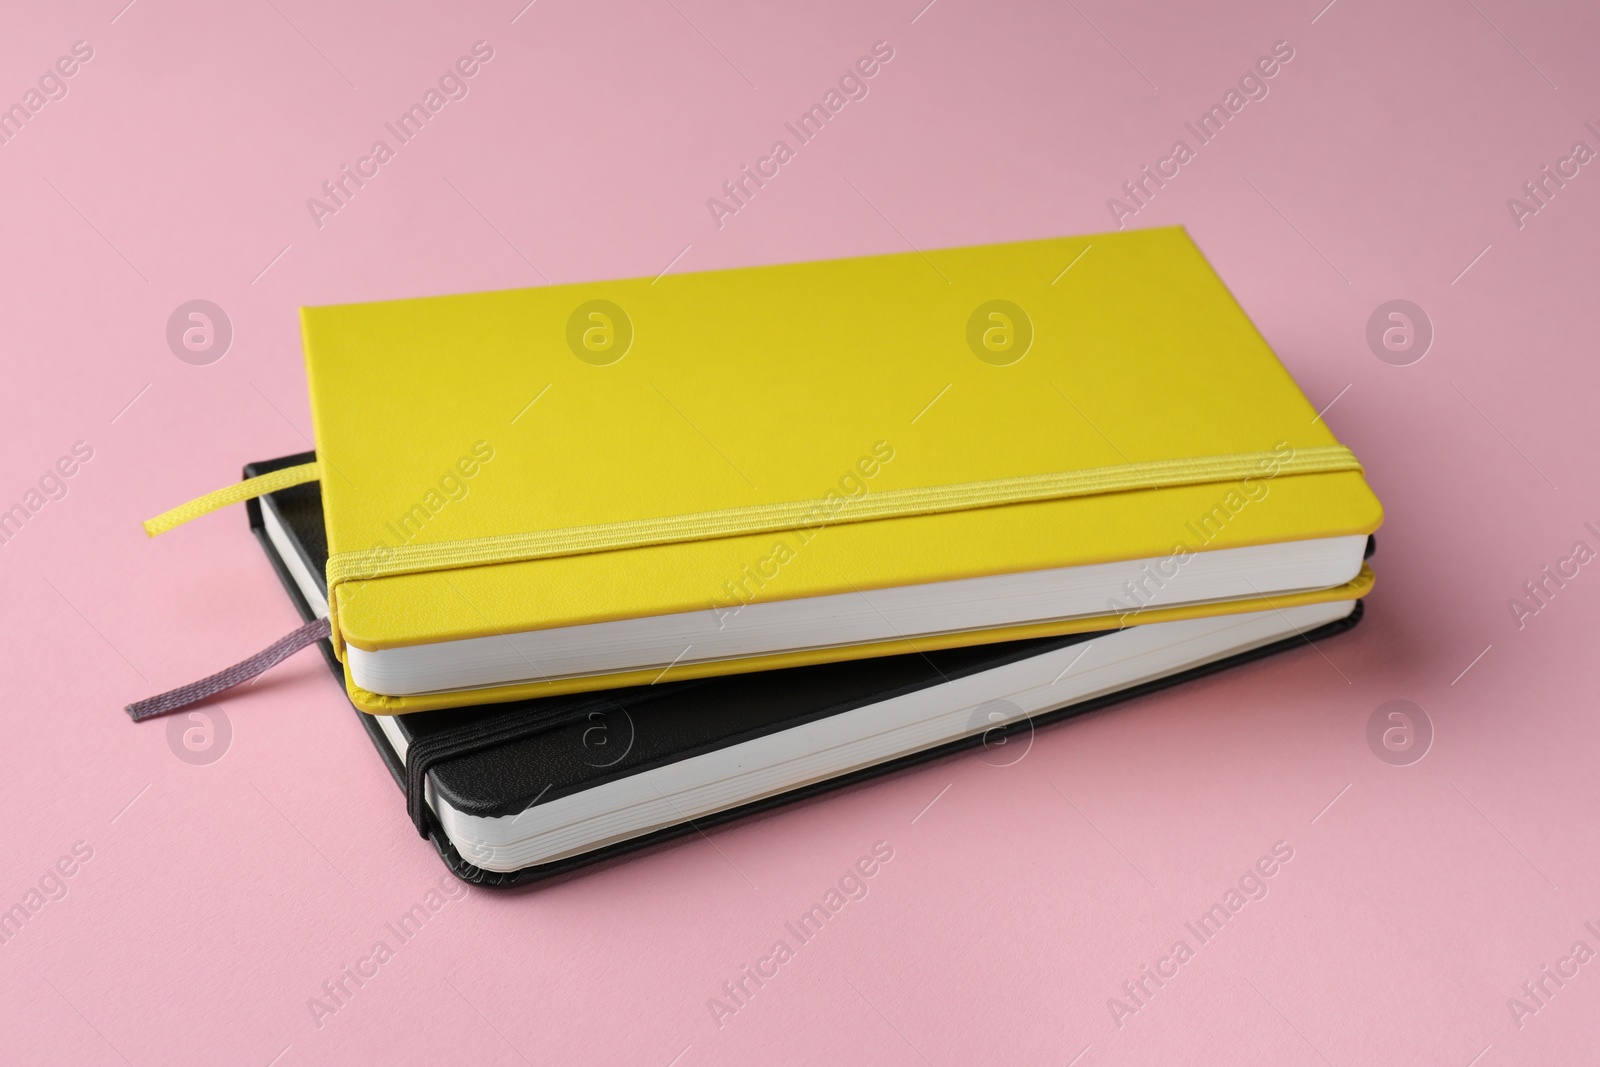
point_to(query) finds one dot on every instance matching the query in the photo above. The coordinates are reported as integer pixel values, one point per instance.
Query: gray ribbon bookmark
(265, 660)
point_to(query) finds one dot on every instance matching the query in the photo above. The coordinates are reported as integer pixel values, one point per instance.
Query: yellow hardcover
(607, 405)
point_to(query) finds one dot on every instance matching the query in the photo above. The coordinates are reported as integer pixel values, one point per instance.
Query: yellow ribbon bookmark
(248, 489)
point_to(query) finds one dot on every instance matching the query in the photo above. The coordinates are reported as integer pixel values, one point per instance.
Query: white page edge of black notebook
(863, 737)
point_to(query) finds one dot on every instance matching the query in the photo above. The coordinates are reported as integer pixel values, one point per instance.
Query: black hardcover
(498, 759)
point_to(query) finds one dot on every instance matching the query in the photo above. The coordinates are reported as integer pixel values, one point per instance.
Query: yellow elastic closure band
(234, 494)
(386, 561)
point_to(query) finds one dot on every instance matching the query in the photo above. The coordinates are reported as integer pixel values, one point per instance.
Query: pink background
(220, 897)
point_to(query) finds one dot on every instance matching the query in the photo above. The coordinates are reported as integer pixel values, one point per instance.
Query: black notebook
(514, 792)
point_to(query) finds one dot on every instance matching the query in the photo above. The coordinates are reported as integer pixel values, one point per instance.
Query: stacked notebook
(604, 563)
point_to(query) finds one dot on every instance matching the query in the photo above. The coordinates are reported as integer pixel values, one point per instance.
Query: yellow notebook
(583, 486)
